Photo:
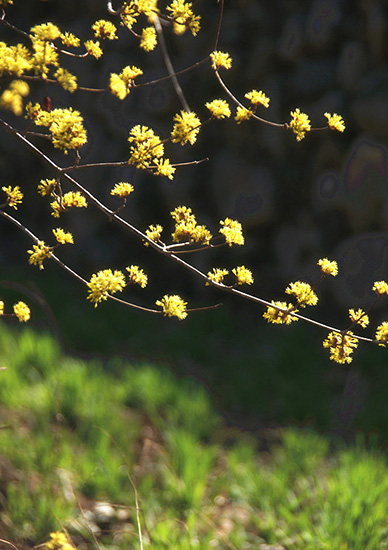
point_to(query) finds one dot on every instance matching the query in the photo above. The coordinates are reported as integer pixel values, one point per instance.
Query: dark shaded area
(323, 197)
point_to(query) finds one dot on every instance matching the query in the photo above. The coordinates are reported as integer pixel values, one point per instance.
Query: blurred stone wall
(325, 196)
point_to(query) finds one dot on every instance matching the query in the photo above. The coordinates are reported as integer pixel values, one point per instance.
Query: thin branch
(220, 15)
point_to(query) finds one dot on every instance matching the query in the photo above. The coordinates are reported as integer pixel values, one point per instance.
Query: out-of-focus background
(323, 197)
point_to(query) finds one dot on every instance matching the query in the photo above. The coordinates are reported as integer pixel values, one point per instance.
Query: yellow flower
(232, 231)
(173, 306)
(300, 124)
(276, 316)
(22, 312)
(218, 108)
(46, 187)
(58, 541)
(243, 275)
(46, 31)
(335, 122)
(72, 199)
(39, 253)
(148, 39)
(258, 98)
(14, 196)
(183, 213)
(67, 80)
(70, 40)
(122, 189)
(186, 128)
(217, 275)
(104, 29)
(221, 59)
(121, 84)
(12, 98)
(359, 317)
(93, 48)
(328, 267)
(146, 146)
(164, 168)
(137, 275)
(303, 293)
(1, 307)
(242, 114)
(154, 233)
(14, 60)
(104, 283)
(341, 346)
(63, 237)
(380, 287)
(382, 334)
(184, 17)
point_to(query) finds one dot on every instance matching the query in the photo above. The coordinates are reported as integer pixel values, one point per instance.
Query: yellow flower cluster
(380, 288)
(47, 187)
(45, 53)
(65, 126)
(72, 199)
(328, 267)
(300, 124)
(70, 40)
(121, 84)
(335, 122)
(104, 283)
(359, 317)
(221, 59)
(187, 228)
(105, 30)
(183, 17)
(218, 108)
(280, 313)
(14, 60)
(131, 10)
(303, 293)
(137, 275)
(63, 237)
(232, 231)
(154, 233)
(20, 310)
(242, 114)
(173, 306)
(122, 189)
(146, 146)
(39, 253)
(243, 275)
(58, 541)
(186, 128)
(382, 334)
(341, 346)
(163, 167)
(67, 80)
(148, 39)
(258, 98)
(12, 98)
(14, 196)
(93, 48)
(217, 275)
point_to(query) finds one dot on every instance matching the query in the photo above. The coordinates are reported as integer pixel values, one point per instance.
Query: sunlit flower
(217, 275)
(173, 306)
(341, 346)
(281, 316)
(137, 275)
(328, 267)
(67, 80)
(335, 122)
(382, 334)
(258, 98)
(63, 237)
(218, 108)
(22, 312)
(104, 29)
(148, 39)
(300, 124)
(39, 253)
(232, 231)
(184, 17)
(93, 48)
(243, 275)
(104, 283)
(359, 317)
(242, 114)
(154, 233)
(14, 196)
(303, 293)
(186, 128)
(122, 189)
(380, 287)
(221, 59)
(70, 40)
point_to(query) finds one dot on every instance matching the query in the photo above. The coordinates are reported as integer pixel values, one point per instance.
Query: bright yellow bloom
(14, 196)
(218, 108)
(63, 237)
(154, 233)
(232, 231)
(217, 275)
(12, 98)
(276, 316)
(186, 128)
(242, 114)
(328, 267)
(70, 40)
(47, 187)
(44, 55)
(146, 146)
(359, 317)
(380, 287)
(93, 48)
(104, 283)
(148, 39)
(303, 293)
(164, 168)
(22, 312)
(122, 189)
(67, 80)
(184, 17)
(221, 59)
(121, 84)
(335, 122)
(1, 307)
(146, 7)
(173, 306)
(243, 275)
(183, 213)
(58, 541)
(72, 199)
(39, 253)
(382, 334)
(258, 98)
(341, 346)
(137, 275)
(104, 29)
(300, 124)
(46, 31)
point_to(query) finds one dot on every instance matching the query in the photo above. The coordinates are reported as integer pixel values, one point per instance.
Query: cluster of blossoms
(14, 196)
(12, 98)
(186, 227)
(58, 541)
(242, 275)
(62, 201)
(186, 128)
(108, 282)
(41, 251)
(147, 150)
(121, 84)
(20, 310)
(173, 306)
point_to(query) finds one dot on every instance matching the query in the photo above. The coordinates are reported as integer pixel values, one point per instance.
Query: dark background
(323, 197)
